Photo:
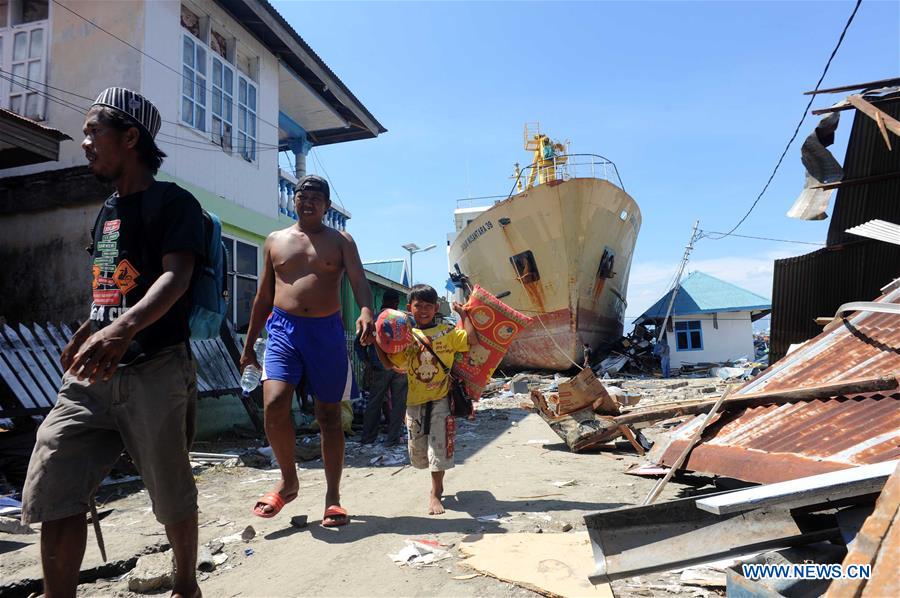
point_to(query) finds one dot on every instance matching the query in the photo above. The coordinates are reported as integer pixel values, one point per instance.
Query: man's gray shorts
(147, 409)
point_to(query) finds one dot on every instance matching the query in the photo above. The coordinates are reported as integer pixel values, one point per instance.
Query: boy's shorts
(148, 409)
(314, 347)
(433, 451)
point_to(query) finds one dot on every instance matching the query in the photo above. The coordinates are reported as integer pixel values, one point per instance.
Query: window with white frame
(230, 112)
(193, 83)
(23, 51)
(246, 118)
(243, 273)
(222, 103)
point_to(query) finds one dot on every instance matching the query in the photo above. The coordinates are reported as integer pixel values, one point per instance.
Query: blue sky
(694, 102)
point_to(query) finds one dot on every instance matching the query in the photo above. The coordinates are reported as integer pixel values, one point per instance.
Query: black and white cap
(134, 105)
(312, 182)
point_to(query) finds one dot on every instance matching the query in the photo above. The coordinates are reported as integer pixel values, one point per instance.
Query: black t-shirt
(130, 241)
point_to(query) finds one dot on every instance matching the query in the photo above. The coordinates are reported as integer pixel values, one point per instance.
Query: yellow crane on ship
(548, 156)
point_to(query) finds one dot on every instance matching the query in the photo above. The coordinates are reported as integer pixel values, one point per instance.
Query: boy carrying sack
(426, 363)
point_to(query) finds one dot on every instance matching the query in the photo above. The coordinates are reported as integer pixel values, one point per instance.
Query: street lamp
(412, 248)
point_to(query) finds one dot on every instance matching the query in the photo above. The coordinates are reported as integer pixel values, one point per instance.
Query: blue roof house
(711, 321)
(394, 269)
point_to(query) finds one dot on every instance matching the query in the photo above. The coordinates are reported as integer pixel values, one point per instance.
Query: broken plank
(822, 488)
(868, 542)
(875, 178)
(841, 106)
(629, 435)
(886, 121)
(869, 85)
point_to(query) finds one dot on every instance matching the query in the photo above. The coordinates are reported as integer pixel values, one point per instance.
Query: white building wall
(82, 61)
(731, 340)
(253, 185)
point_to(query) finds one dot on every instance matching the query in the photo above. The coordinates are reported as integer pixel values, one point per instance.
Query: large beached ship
(557, 249)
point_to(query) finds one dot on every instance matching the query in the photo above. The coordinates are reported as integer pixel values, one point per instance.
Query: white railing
(572, 166)
(335, 218)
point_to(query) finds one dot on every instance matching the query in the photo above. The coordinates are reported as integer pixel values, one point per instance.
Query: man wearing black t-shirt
(130, 379)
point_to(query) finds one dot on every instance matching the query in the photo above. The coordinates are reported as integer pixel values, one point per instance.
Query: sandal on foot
(335, 516)
(271, 499)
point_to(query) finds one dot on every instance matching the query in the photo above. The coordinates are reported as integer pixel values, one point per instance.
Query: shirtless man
(300, 288)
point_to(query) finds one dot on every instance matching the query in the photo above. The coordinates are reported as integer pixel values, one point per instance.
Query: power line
(20, 78)
(799, 124)
(200, 145)
(705, 233)
(83, 109)
(677, 284)
(154, 59)
(315, 156)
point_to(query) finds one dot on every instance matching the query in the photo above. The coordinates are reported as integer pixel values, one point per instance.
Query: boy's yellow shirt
(426, 379)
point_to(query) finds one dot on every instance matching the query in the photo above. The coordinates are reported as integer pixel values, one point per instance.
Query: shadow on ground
(473, 503)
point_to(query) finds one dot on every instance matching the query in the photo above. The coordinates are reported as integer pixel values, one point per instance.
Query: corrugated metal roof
(862, 344)
(814, 285)
(391, 269)
(849, 269)
(782, 442)
(33, 124)
(878, 230)
(702, 293)
(867, 155)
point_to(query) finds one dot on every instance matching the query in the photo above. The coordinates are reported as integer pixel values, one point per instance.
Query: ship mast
(548, 155)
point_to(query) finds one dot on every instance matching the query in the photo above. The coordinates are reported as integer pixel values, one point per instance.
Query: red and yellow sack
(496, 324)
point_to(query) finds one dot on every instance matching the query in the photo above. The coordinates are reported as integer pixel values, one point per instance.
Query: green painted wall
(350, 310)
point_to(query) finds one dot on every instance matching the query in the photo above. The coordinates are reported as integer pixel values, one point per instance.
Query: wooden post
(687, 449)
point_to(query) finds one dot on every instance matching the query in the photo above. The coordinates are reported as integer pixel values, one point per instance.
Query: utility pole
(684, 260)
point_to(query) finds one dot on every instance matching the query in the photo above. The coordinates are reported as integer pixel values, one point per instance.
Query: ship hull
(562, 250)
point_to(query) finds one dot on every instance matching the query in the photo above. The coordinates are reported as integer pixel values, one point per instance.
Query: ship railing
(570, 166)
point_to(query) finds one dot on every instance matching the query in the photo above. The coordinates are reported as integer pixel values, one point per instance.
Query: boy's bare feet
(195, 593)
(435, 507)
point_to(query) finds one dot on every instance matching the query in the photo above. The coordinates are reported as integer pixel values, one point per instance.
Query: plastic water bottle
(259, 347)
(252, 374)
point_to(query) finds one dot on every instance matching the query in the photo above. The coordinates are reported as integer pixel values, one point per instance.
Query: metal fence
(356, 364)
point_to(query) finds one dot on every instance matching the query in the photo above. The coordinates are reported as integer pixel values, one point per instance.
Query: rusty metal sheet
(782, 442)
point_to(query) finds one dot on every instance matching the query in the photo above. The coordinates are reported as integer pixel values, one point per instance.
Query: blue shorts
(315, 347)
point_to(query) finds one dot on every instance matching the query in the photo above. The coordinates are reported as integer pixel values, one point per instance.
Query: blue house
(711, 320)
(394, 269)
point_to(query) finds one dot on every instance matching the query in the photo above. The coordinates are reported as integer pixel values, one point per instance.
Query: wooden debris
(583, 390)
(811, 393)
(687, 449)
(872, 545)
(580, 430)
(627, 433)
(884, 121)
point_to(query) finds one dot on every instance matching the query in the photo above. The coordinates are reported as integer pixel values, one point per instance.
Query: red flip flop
(335, 516)
(272, 499)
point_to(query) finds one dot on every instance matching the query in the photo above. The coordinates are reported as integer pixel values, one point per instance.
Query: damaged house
(711, 320)
(854, 265)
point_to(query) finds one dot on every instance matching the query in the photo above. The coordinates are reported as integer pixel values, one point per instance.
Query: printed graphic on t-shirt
(112, 279)
(427, 368)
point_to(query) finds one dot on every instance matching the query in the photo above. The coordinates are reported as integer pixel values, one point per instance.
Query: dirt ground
(508, 461)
